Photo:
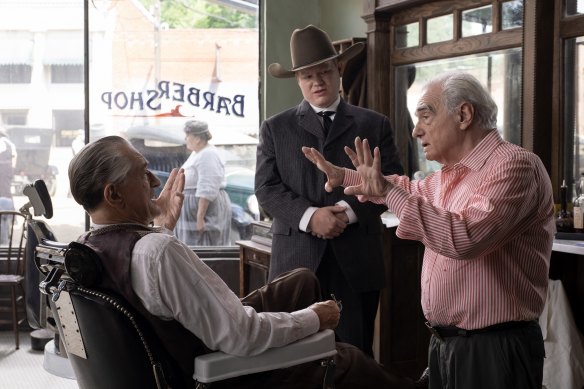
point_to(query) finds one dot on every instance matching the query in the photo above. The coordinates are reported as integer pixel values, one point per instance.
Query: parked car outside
(164, 147)
(33, 148)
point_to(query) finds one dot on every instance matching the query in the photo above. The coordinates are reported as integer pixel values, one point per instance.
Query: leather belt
(447, 332)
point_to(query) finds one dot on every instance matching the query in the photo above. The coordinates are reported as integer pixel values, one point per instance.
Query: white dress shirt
(305, 219)
(173, 283)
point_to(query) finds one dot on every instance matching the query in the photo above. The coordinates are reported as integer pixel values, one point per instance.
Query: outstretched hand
(334, 174)
(368, 165)
(171, 199)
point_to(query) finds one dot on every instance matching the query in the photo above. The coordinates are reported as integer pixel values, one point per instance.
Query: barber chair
(111, 346)
(37, 312)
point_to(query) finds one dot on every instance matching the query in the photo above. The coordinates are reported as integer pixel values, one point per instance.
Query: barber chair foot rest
(219, 366)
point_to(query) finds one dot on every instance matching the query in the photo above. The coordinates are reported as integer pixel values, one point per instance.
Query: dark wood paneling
(378, 80)
(572, 27)
(403, 336)
(538, 78)
(569, 268)
(433, 9)
(465, 46)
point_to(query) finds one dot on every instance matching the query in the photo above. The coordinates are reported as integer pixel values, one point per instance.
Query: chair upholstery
(12, 252)
(111, 346)
(119, 350)
(218, 366)
(107, 342)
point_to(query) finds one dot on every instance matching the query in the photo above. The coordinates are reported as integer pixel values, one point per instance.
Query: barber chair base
(39, 338)
(55, 363)
(220, 366)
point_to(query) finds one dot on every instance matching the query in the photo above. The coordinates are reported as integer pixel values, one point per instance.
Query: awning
(16, 47)
(63, 48)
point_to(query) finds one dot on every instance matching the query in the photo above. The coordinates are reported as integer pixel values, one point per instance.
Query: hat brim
(278, 71)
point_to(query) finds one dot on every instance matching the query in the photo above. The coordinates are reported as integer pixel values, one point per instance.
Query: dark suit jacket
(287, 183)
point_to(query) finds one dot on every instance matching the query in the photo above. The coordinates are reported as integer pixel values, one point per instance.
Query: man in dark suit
(332, 234)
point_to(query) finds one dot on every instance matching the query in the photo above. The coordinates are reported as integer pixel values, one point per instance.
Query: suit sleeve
(272, 194)
(390, 164)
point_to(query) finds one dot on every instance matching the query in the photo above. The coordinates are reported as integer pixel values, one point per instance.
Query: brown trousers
(292, 291)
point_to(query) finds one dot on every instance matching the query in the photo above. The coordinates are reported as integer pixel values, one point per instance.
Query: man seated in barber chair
(190, 308)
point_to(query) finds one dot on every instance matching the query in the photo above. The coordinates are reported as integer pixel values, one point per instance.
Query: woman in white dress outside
(205, 218)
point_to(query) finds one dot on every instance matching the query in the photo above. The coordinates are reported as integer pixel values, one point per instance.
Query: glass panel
(477, 21)
(31, 101)
(13, 117)
(150, 71)
(573, 149)
(512, 14)
(499, 71)
(440, 29)
(15, 74)
(407, 35)
(159, 68)
(67, 74)
(574, 7)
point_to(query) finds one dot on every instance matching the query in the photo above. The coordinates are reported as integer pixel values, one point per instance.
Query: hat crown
(310, 45)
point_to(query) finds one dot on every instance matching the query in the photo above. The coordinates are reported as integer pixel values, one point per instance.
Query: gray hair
(99, 163)
(459, 87)
(198, 128)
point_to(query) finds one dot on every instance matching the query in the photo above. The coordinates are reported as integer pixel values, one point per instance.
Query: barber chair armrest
(219, 366)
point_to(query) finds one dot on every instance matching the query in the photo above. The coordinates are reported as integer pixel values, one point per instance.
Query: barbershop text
(150, 99)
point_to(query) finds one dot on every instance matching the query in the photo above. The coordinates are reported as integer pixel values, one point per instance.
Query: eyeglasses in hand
(338, 302)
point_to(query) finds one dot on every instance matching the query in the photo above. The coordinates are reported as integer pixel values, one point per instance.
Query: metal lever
(48, 284)
(58, 291)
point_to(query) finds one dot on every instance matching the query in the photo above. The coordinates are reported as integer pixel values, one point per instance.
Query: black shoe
(424, 379)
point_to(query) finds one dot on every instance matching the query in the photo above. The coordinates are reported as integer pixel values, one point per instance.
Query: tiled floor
(23, 368)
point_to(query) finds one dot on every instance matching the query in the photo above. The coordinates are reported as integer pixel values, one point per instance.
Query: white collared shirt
(173, 283)
(305, 219)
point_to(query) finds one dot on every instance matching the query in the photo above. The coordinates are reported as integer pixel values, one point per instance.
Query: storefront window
(573, 148)
(407, 35)
(440, 29)
(477, 21)
(574, 7)
(152, 66)
(499, 71)
(512, 14)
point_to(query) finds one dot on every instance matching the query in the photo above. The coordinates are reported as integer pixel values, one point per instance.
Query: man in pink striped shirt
(486, 220)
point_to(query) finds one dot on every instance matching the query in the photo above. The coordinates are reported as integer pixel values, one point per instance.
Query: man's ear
(111, 195)
(466, 115)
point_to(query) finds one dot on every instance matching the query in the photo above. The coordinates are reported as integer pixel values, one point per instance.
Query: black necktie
(326, 120)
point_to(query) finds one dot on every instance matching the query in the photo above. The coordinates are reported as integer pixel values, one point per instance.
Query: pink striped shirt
(487, 224)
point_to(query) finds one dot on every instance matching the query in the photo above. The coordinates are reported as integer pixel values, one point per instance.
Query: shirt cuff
(306, 218)
(309, 319)
(349, 211)
(352, 178)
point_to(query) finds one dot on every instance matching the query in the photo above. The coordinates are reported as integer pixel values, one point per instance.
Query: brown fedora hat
(310, 46)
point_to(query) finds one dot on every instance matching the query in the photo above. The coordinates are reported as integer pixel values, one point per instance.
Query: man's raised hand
(334, 174)
(171, 199)
(368, 165)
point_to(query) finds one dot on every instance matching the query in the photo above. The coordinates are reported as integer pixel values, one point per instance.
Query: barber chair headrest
(78, 261)
(83, 264)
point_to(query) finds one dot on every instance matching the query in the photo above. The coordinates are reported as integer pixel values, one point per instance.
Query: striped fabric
(487, 223)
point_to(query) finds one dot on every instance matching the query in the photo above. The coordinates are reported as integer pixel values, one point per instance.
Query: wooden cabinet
(567, 265)
(252, 255)
(403, 337)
